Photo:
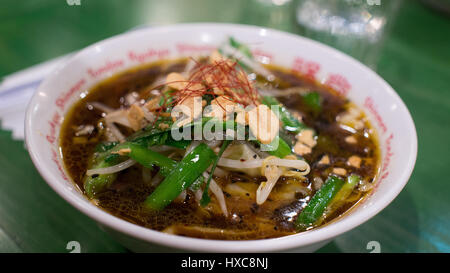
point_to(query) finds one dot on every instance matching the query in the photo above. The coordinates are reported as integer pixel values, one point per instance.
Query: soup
(220, 147)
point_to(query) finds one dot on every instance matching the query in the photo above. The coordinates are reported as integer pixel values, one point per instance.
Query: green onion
(153, 140)
(148, 158)
(283, 149)
(197, 183)
(350, 184)
(102, 159)
(138, 143)
(205, 197)
(288, 138)
(184, 174)
(347, 189)
(244, 49)
(312, 100)
(180, 144)
(151, 130)
(318, 203)
(98, 183)
(105, 146)
(290, 123)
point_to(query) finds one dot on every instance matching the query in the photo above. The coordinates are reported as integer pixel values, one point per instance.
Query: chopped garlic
(351, 140)
(224, 102)
(305, 142)
(218, 91)
(163, 126)
(177, 81)
(353, 118)
(216, 57)
(241, 116)
(263, 123)
(354, 161)
(307, 137)
(301, 149)
(136, 117)
(191, 107)
(152, 104)
(124, 151)
(325, 160)
(221, 106)
(340, 171)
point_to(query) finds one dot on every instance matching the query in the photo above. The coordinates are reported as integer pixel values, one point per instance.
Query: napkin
(16, 91)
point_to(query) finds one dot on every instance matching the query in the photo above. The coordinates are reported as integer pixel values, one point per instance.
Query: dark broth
(246, 220)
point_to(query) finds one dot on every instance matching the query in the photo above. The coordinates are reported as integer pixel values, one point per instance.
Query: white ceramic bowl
(66, 84)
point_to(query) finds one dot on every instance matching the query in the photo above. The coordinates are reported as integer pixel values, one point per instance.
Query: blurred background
(406, 42)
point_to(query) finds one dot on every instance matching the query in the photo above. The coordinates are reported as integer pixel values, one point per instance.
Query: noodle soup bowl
(69, 82)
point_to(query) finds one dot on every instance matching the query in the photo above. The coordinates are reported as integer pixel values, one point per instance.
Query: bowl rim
(318, 235)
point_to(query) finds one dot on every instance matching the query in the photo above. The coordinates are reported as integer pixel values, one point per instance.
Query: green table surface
(415, 60)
